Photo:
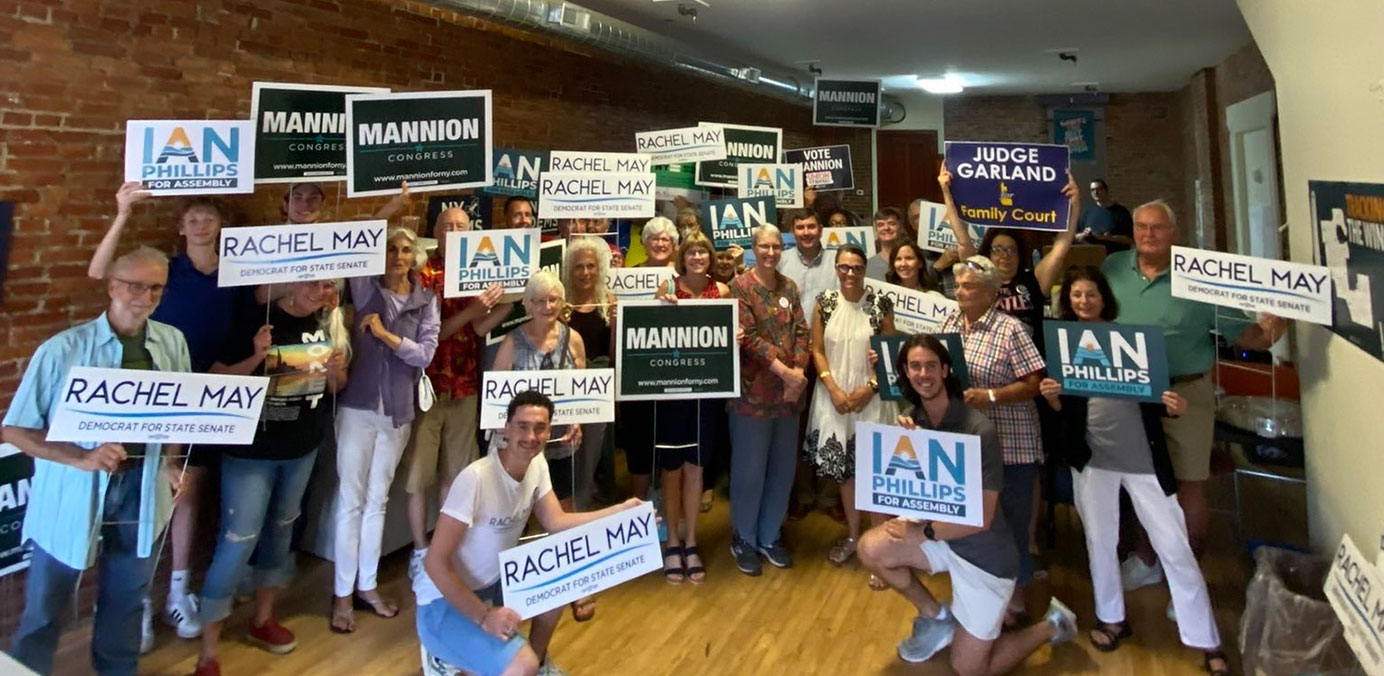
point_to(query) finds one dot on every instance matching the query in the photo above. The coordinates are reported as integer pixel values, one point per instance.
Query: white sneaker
(550, 669)
(182, 615)
(1172, 613)
(1134, 573)
(928, 636)
(415, 562)
(146, 628)
(1063, 621)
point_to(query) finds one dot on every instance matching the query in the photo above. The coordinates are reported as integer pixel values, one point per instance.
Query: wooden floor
(813, 619)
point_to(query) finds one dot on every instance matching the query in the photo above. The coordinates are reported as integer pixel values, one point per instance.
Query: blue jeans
(123, 581)
(762, 462)
(260, 501)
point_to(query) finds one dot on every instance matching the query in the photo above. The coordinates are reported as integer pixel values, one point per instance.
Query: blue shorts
(455, 639)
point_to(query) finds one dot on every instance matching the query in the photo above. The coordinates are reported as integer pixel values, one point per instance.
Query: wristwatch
(928, 532)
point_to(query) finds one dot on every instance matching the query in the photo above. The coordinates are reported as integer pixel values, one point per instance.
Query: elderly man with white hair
(119, 493)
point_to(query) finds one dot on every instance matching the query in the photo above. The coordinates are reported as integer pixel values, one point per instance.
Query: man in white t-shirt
(462, 619)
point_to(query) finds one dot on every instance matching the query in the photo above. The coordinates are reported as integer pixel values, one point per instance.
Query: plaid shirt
(999, 351)
(455, 368)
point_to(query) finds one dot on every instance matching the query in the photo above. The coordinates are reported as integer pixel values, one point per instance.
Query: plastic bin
(1289, 628)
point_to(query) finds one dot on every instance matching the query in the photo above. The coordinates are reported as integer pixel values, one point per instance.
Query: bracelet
(823, 375)
(992, 396)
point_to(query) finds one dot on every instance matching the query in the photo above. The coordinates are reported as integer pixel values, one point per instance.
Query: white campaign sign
(478, 258)
(272, 254)
(640, 283)
(138, 406)
(936, 233)
(860, 235)
(914, 311)
(1287, 289)
(690, 144)
(579, 395)
(1355, 588)
(596, 195)
(922, 474)
(783, 182)
(581, 162)
(551, 572)
(191, 157)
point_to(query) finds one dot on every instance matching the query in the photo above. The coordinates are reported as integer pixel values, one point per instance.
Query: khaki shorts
(1191, 434)
(443, 442)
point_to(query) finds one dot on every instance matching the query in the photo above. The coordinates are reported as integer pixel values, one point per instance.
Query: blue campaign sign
(920, 474)
(1098, 359)
(887, 366)
(516, 172)
(731, 221)
(1010, 185)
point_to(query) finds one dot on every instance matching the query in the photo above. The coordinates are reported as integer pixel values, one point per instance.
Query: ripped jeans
(260, 500)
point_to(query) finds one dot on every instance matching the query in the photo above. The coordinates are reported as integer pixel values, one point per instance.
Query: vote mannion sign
(139, 406)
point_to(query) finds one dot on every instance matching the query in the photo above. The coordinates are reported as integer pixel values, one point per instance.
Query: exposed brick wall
(1197, 139)
(995, 118)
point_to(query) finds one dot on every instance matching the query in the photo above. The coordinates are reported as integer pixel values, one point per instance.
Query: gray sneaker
(746, 559)
(777, 554)
(929, 636)
(1063, 621)
(550, 669)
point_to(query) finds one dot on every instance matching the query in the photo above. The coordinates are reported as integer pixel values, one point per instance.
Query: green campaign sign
(743, 144)
(434, 140)
(16, 471)
(300, 130)
(677, 351)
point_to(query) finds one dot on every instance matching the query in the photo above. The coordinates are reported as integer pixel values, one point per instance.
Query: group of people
(384, 373)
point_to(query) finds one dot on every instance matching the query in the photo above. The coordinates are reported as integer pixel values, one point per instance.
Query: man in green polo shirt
(1140, 280)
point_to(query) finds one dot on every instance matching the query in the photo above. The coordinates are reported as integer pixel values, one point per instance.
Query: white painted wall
(1329, 73)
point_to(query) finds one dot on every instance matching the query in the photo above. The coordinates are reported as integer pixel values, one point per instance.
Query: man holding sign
(462, 618)
(982, 560)
(84, 491)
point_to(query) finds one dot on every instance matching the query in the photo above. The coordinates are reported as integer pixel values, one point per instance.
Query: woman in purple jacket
(398, 322)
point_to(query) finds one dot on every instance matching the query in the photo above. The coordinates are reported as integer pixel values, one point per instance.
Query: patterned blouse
(875, 307)
(455, 368)
(774, 329)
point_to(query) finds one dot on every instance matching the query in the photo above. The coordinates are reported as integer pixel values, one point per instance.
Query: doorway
(907, 163)
(1254, 175)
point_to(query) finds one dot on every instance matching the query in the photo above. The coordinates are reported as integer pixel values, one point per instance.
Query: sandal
(342, 621)
(380, 607)
(842, 551)
(695, 574)
(877, 583)
(1208, 656)
(675, 574)
(583, 609)
(1106, 636)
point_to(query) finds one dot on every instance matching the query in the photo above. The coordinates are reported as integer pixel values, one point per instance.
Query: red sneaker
(273, 637)
(208, 668)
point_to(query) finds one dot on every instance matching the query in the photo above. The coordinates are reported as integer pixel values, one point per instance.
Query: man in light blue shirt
(122, 494)
(807, 264)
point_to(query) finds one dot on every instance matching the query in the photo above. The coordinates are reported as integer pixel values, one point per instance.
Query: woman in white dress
(846, 391)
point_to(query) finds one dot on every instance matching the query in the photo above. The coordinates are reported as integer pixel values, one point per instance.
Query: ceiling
(995, 46)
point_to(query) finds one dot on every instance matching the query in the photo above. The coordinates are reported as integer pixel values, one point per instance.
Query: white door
(1254, 175)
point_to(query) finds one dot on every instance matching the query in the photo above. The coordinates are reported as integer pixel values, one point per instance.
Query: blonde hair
(981, 267)
(541, 283)
(334, 321)
(696, 240)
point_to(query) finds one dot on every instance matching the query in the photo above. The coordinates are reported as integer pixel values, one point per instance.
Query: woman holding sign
(1114, 444)
(843, 321)
(764, 420)
(587, 271)
(398, 322)
(660, 239)
(687, 429)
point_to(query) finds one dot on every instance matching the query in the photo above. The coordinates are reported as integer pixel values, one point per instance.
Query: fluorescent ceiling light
(948, 84)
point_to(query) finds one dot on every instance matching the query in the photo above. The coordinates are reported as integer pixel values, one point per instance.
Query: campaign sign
(477, 259)
(743, 144)
(477, 207)
(550, 256)
(685, 350)
(1355, 589)
(887, 365)
(272, 254)
(433, 140)
(581, 162)
(956, 349)
(689, 144)
(914, 311)
(782, 182)
(579, 395)
(300, 130)
(641, 283)
(1098, 359)
(1348, 221)
(1010, 185)
(922, 474)
(862, 236)
(515, 172)
(191, 157)
(846, 103)
(554, 571)
(596, 195)
(935, 233)
(16, 474)
(731, 222)
(1287, 289)
(138, 406)
(824, 167)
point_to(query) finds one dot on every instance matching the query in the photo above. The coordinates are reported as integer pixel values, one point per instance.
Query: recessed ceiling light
(947, 84)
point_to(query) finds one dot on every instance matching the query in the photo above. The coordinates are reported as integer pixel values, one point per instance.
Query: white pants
(368, 449)
(1098, 502)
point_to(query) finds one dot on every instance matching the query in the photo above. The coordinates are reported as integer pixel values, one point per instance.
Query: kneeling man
(462, 619)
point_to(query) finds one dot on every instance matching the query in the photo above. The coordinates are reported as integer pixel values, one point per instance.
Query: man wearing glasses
(1107, 222)
(119, 494)
(1140, 281)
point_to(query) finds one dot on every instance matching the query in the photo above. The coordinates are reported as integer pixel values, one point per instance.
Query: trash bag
(1289, 627)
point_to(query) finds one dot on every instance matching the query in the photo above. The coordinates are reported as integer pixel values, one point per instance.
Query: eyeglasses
(769, 246)
(140, 288)
(1004, 249)
(850, 269)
